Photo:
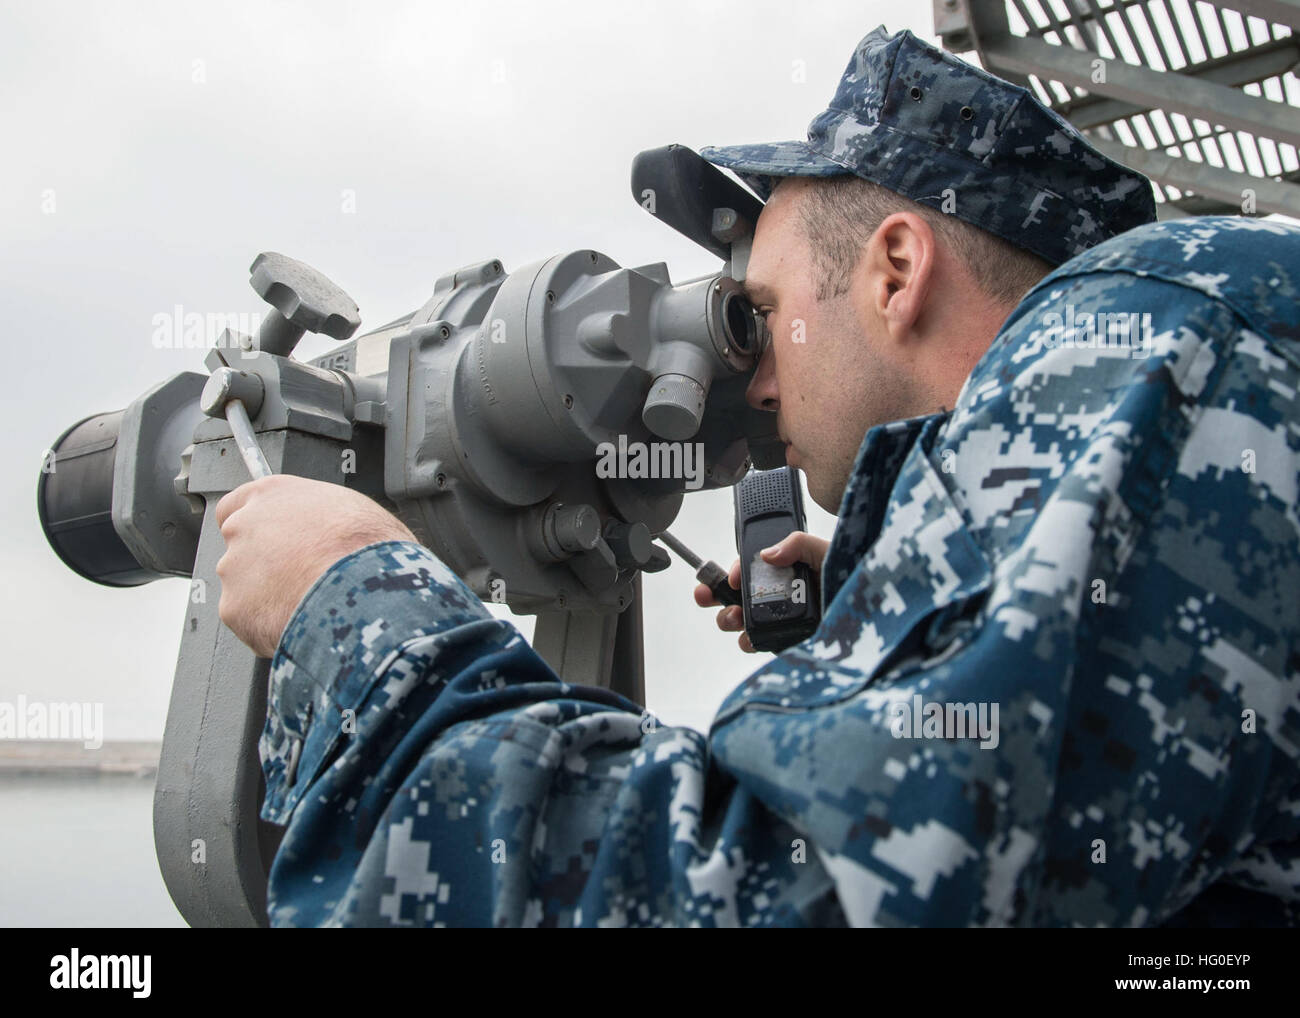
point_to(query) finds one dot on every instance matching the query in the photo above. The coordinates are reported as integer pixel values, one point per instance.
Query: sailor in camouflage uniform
(1101, 541)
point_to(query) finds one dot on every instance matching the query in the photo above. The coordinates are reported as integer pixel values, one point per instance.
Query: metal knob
(674, 407)
(571, 529)
(303, 300)
(630, 543)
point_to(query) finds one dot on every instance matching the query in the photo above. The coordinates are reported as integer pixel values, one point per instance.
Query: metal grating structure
(1201, 97)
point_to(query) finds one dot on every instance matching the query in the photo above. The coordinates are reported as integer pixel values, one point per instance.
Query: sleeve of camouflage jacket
(1053, 560)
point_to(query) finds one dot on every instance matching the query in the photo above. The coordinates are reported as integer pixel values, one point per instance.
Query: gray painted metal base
(597, 650)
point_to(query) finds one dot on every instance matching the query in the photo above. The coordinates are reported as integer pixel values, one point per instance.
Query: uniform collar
(862, 509)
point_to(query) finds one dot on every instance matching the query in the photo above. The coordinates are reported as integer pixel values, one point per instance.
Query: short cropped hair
(840, 214)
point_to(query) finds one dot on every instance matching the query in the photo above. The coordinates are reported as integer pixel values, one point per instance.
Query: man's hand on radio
(282, 533)
(798, 546)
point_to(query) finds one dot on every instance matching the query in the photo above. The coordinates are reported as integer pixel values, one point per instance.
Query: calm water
(78, 851)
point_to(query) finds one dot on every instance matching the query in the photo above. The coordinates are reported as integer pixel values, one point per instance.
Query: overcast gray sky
(176, 141)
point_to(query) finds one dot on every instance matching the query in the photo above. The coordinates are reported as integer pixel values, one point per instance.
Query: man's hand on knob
(282, 534)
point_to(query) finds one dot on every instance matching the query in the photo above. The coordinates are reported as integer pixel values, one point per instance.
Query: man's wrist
(344, 635)
(327, 632)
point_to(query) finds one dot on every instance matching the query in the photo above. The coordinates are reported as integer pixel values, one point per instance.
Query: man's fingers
(731, 618)
(797, 547)
(704, 596)
(785, 552)
(233, 500)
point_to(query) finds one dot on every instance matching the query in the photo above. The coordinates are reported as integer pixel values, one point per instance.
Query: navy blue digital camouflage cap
(935, 129)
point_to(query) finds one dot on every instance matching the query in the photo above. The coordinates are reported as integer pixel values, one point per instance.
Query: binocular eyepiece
(741, 325)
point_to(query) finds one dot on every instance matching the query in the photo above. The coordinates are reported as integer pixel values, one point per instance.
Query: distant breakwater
(70, 756)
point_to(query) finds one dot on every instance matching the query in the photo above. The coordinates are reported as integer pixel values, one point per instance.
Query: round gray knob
(674, 407)
(572, 528)
(226, 384)
(630, 543)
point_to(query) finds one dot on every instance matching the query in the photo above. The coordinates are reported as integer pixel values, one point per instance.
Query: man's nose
(761, 393)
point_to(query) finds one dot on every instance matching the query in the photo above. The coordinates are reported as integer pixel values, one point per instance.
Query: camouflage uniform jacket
(1100, 541)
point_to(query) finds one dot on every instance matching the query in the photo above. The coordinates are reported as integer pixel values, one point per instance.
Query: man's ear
(898, 269)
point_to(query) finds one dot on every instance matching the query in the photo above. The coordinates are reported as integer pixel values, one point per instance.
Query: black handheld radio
(781, 603)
